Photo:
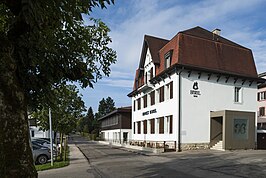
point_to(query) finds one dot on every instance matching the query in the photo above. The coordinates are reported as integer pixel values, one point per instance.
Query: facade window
(145, 101)
(139, 127)
(161, 125)
(146, 77)
(261, 96)
(237, 97)
(139, 104)
(262, 111)
(168, 59)
(161, 95)
(110, 121)
(152, 96)
(145, 126)
(169, 126)
(152, 126)
(134, 127)
(151, 73)
(261, 126)
(169, 91)
(32, 133)
(134, 105)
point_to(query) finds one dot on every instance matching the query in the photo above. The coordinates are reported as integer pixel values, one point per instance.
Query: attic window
(168, 59)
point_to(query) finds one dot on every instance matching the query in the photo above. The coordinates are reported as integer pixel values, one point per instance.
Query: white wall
(166, 108)
(38, 133)
(195, 122)
(111, 134)
(214, 96)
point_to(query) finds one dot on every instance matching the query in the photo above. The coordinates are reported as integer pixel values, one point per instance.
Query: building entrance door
(261, 141)
(125, 135)
(216, 130)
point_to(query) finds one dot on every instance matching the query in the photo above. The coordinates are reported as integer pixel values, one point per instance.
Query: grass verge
(48, 165)
(57, 164)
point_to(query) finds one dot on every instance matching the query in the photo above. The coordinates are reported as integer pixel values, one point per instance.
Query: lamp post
(51, 138)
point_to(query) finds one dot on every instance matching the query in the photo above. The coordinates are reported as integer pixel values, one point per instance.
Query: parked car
(41, 154)
(43, 142)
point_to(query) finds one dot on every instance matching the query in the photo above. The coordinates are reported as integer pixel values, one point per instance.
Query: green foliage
(52, 45)
(105, 106)
(43, 46)
(68, 106)
(84, 124)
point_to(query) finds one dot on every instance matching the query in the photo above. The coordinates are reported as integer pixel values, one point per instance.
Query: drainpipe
(179, 111)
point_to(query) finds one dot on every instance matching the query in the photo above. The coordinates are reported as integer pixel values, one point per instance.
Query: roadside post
(51, 138)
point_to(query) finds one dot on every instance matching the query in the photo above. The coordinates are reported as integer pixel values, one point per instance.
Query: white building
(116, 126)
(261, 124)
(194, 90)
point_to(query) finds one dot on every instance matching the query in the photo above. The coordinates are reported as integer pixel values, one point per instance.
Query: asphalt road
(114, 162)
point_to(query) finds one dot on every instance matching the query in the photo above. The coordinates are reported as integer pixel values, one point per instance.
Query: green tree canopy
(105, 106)
(68, 107)
(43, 44)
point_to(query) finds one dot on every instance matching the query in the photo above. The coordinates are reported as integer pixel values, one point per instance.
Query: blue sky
(242, 21)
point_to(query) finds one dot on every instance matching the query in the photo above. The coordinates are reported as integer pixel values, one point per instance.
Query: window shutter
(161, 125)
(145, 126)
(171, 125)
(152, 98)
(145, 101)
(152, 126)
(162, 94)
(171, 90)
(151, 73)
(139, 104)
(139, 127)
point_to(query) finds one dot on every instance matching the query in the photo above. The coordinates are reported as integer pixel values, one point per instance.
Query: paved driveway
(115, 162)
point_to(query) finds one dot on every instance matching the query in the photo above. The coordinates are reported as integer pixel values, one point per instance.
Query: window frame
(262, 111)
(238, 94)
(161, 94)
(168, 57)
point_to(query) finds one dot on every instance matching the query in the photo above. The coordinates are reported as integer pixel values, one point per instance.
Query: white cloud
(151, 18)
(241, 21)
(121, 83)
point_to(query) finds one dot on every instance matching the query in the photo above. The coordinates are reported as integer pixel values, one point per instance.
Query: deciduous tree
(43, 44)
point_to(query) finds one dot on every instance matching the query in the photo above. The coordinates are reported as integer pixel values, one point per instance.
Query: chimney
(216, 31)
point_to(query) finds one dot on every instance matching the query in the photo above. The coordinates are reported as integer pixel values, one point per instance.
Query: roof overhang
(180, 67)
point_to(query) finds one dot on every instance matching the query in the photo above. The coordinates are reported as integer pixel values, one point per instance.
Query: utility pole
(51, 138)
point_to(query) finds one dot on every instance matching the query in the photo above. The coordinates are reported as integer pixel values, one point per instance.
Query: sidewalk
(79, 167)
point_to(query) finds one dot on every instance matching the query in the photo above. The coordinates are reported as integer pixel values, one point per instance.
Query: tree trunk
(16, 160)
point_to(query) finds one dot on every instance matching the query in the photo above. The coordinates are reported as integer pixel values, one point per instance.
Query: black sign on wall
(149, 112)
(195, 90)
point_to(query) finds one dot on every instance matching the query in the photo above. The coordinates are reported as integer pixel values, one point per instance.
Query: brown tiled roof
(207, 35)
(154, 44)
(200, 48)
(197, 48)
